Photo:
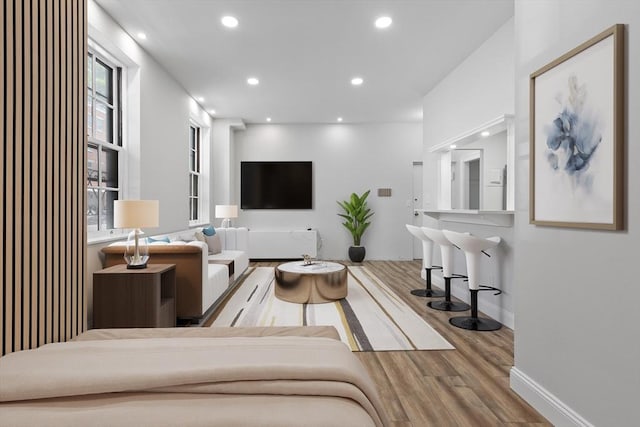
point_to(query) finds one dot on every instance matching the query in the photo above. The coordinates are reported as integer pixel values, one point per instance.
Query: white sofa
(201, 279)
(235, 246)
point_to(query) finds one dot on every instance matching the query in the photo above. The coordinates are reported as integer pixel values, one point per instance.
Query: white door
(417, 204)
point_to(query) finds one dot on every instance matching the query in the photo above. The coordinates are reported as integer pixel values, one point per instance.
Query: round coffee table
(316, 283)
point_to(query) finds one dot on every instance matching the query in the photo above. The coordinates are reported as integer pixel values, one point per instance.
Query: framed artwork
(577, 136)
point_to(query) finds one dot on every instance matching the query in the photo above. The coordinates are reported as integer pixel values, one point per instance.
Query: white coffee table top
(318, 267)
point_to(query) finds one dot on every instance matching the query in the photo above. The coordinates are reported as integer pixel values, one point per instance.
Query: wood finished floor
(468, 386)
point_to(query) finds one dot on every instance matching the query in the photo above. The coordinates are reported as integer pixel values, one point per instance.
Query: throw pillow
(200, 236)
(164, 239)
(209, 231)
(187, 237)
(214, 244)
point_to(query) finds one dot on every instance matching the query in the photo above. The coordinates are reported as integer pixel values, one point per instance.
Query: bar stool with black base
(473, 248)
(427, 264)
(446, 250)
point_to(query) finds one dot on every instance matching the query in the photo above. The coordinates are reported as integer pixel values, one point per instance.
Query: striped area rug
(371, 318)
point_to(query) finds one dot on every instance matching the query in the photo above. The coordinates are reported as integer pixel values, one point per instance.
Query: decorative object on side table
(306, 259)
(577, 136)
(226, 212)
(136, 214)
(356, 215)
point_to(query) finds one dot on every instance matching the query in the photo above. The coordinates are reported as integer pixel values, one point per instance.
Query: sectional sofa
(202, 279)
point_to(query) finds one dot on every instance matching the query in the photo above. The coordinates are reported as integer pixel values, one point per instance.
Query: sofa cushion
(214, 244)
(209, 231)
(187, 237)
(234, 238)
(158, 239)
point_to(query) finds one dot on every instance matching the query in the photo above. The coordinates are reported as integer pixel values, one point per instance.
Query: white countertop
(472, 216)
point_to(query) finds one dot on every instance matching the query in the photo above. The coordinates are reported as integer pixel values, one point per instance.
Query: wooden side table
(135, 298)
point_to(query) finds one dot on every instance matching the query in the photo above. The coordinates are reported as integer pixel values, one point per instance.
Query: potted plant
(356, 215)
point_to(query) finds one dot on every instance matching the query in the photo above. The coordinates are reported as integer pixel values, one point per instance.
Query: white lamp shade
(136, 213)
(226, 211)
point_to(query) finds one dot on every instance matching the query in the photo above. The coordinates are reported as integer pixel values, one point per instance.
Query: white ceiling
(305, 52)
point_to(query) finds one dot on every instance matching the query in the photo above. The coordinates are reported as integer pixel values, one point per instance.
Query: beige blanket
(212, 332)
(267, 381)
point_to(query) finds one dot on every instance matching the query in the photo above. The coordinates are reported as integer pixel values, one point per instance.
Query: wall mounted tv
(276, 185)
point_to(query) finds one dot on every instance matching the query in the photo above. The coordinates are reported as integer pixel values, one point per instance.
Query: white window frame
(96, 53)
(199, 163)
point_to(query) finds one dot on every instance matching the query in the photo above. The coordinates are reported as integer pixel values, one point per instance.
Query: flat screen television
(276, 185)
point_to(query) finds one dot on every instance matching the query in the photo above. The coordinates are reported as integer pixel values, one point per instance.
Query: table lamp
(227, 212)
(136, 214)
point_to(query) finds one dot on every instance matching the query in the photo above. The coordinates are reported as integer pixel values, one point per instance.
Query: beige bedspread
(241, 381)
(212, 332)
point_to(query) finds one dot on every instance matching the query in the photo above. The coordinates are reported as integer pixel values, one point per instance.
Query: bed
(298, 376)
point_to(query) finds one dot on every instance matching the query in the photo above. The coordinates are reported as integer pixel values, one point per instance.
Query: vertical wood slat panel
(62, 144)
(18, 150)
(26, 183)
(48, 147)
(54, 206)
(42, 228)
(69, 176)
(82, 191)
(42, 152)
(8, 152)
(18, 176)
(35, 132)
(75, 114)
(3, 282)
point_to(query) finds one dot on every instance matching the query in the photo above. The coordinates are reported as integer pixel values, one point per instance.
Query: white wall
(157, 131)
(346, 158)
(479, 90)
(222, 158)
(577, 301)
(160, 117)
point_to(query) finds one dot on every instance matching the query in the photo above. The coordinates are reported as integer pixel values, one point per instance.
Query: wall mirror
(476, 168)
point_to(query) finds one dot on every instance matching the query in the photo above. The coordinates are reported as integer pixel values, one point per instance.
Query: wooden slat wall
(43, 128)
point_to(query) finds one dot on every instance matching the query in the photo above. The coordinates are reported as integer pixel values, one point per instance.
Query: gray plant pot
(356, 253)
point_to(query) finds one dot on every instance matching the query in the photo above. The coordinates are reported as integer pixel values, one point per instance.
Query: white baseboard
(489, 308)
(552, 408)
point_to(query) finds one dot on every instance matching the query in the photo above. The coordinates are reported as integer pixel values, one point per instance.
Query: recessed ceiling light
(268, 119)
(383, 22)
(199, 99)
(212, 111)
(485, 133)
(229, 21)
(357, 81)
(453, 146)
(253, 81)
(339, 119)
(142, 36)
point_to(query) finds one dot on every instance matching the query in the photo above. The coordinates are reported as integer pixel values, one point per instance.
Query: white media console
(282, 244)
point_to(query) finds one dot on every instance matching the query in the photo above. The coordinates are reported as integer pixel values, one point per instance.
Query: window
(194, 173)
(104, 146)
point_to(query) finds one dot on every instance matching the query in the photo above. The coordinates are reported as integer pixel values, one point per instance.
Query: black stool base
(430, 293)
(448, 305)
(475, 323)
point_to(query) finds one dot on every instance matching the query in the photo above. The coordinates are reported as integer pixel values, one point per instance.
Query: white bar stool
(446, 251)
(427, 264)
(474, 248)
